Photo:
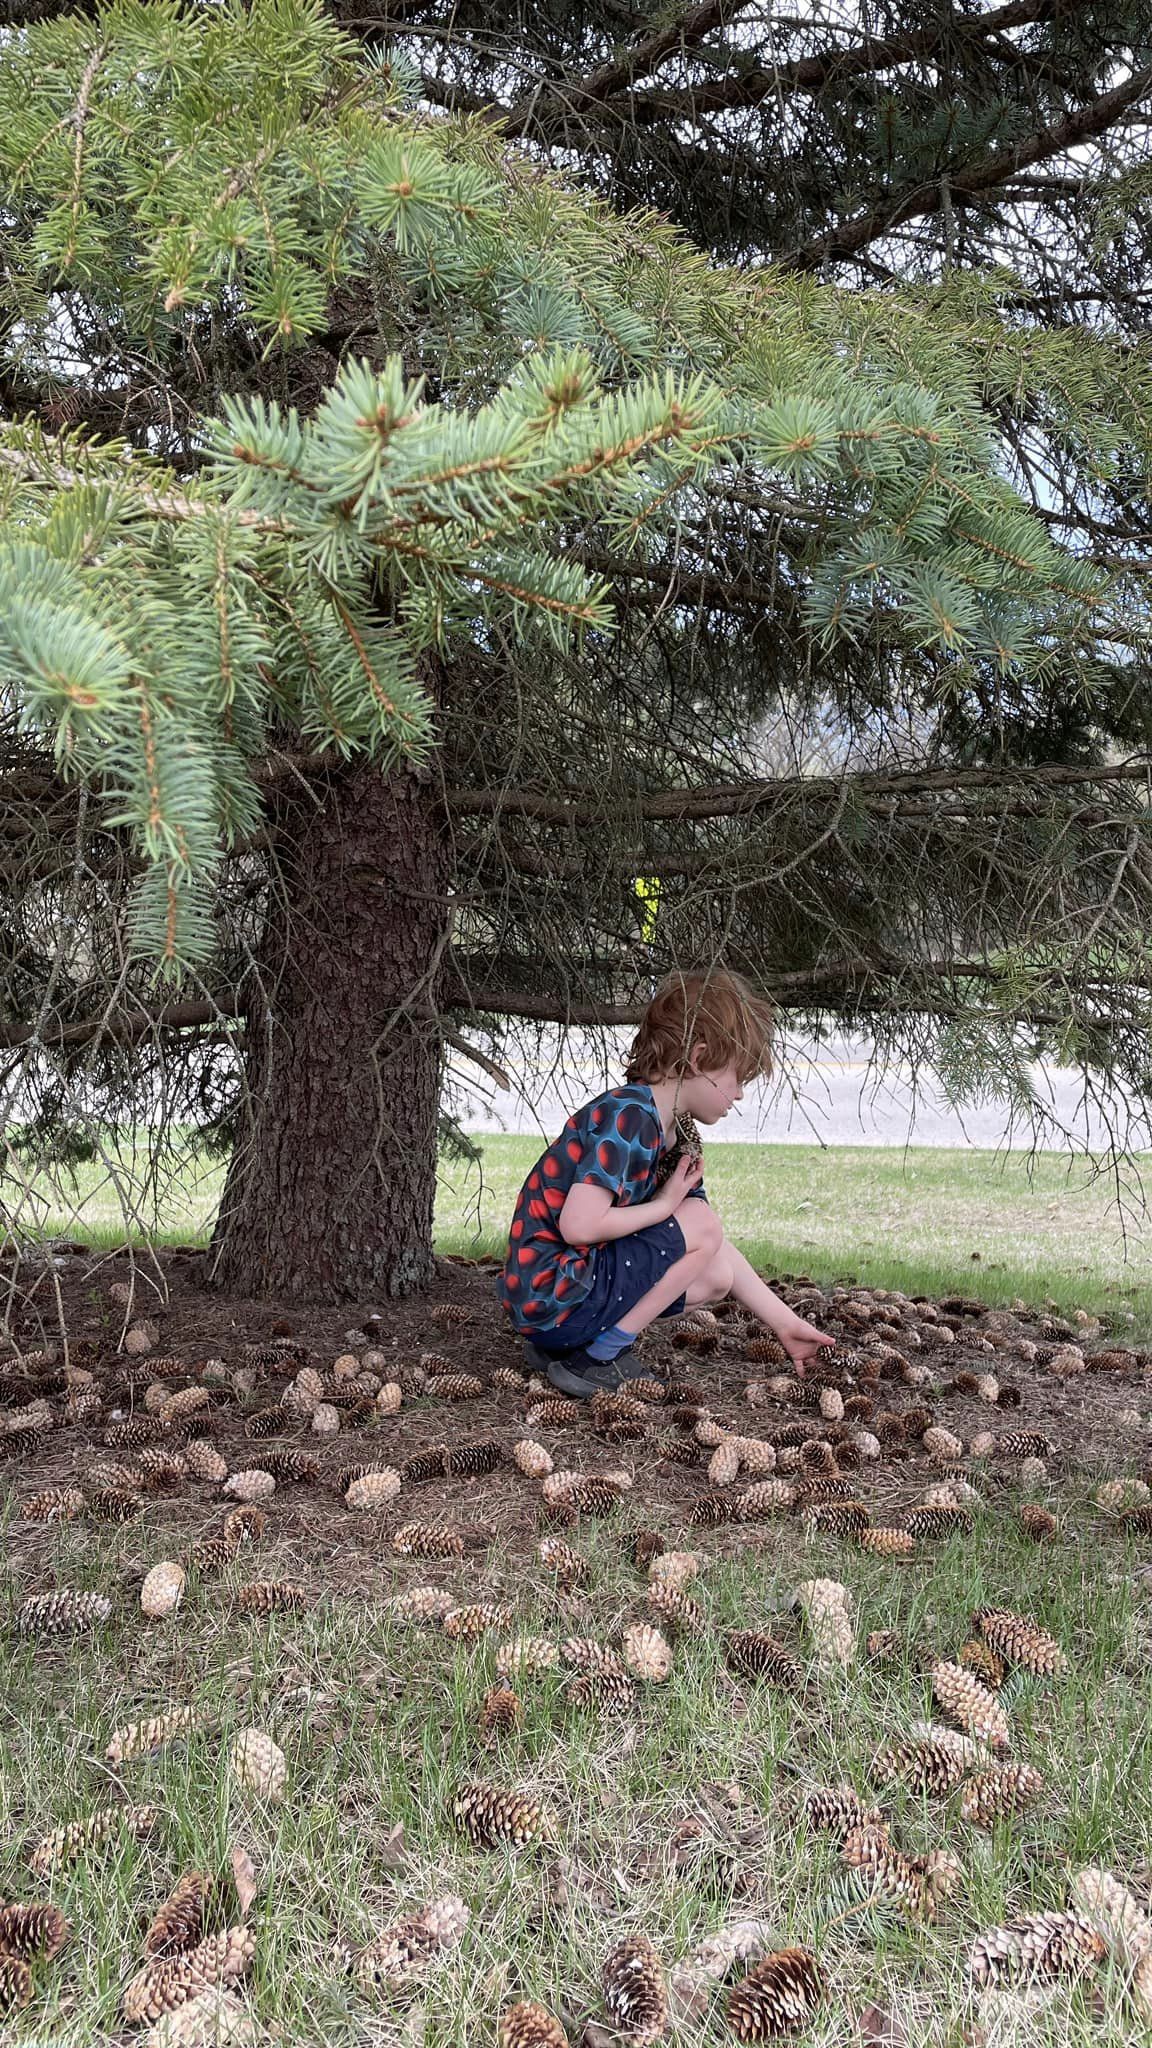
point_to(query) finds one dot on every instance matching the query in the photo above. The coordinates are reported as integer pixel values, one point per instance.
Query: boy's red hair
(717, 1011)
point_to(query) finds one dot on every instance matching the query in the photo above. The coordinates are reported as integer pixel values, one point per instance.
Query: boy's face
(708, 1093)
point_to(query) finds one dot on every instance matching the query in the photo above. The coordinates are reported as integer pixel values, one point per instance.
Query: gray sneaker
(575, 1374)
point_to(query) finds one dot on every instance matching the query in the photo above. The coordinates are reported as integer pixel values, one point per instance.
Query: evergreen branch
(1093, 119)
(578, 95)
(126, 1027)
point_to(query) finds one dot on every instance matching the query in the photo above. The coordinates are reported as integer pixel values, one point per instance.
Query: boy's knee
(713, 1283)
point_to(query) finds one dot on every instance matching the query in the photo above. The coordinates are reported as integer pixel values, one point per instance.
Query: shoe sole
(577, 1385)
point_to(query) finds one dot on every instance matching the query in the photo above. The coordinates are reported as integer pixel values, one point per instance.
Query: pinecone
(162, 1986)
(111, 1504)
(673, 1568)
(570, 1568)
(1024, 1443)
(491, 1818)
(211, 1555)
(142, 1429)
(881, 1872)
(179, 1922)
(942, 1447)
(531, 2026)
(595, 1495)
(454, 1386)
(678, 1450)
(163, 1590)
(425, 1465)
(161, 1469)
(65, 1844)
(259, 1764)
(765, 1351)
(707, 1431)
(839, 1518)
(38, 1931)
(1111, 1909)
(646, 1545)
(291, 1468)
(812, 1493)
(506, 1381)
(401, 1955)
(1037, 1523)
(372, 1491)
(836, 1811)
(270, 1596)
(650, 1390)
(469, 1624)
(422, 1603)
(1003, 1790)
(1137, 1521)
(695, 1339)
(632, 1979)
(427, 1539)
(585, 1653)
(54, 1504)
(675, 1609)
(244, 1525)
(982, 1660)
(708, 1510)
(214, 2019)
(818, 1459)
(15, 1984)
(62, 1614)
(599, 1690)
(1040, 1947)
(941, 1521)
(1116, 1494)
(969, 1703)
(1020, 1641)
(501, 1711)
(757, 1456)
(265, 1422)
(555, 1411)
(767, 1497)
(779, 1996)
(148, 1738)
(883, 1645)
(750, 1654)
(532, 1459)
(724, 1464)
(474, 1460)
(205, 1463)
(829, 1611)
(251, 1485)
(647, 1653)
(887, 1542)
(389, 1398)
(921, 1763)
(447, 1315)
(525, 1656)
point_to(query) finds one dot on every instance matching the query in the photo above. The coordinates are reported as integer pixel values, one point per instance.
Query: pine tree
(381, 509)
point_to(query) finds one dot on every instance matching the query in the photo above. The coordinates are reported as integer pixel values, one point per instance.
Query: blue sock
(610, 1343)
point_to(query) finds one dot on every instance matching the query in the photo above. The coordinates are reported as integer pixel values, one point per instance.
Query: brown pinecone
(425, 1465)
(266, 1422)
(779, 1996)
(204, 1461)
(160, 1468)
(882, 1872)
(422, 1603)
(1020, 1641)
(469, 1624)
(632, 1979)
(32, 1931)
(570, 1568)
(708, 1510)
(839, 1518)
(675, 1608)
(474, 1460)
(1116, 1915)
(54, 1504)
(1037, 1523)
(766, 1351)
(501, 1710)
(447, 1315)
(527, 2025)
(65, 1844)
(955, 1521)
(1040, 1947)
(593, 1496)
(111, 1504)
(883, 1645)
(599, 1690)
(837, 1810)
(647, 1544)
(454, 1386)
(492, 1818)
(179, 1922)
(270, 1596)
(812, 1493)
(162, 1986)
(767, 1497)
(141, 1429)
(888, 1542)
(212, 1554)
(921, 1763)
(859, 1408)
(751, 1654)
(646, 1653)
(15, 1984)
(818, 1459)
(1137, 1521)
(970, 1704)
(679, 1450)
(427, 1539)
(506, 1381)
(553, 1411)
(291, 1468)
(981, 1659)
(62, 1614)
(244, 1525)
(1002, 1790)
(149, 1737)
(1024, 1443)
(652, 1390)
(525, 1656)
(696, 1339)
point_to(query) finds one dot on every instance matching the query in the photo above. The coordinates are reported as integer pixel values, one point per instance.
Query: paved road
(825, 1094)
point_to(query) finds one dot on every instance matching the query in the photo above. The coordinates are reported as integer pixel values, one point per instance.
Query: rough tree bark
(330, 1190)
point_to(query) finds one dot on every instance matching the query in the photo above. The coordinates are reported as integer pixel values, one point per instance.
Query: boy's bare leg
(703, 1234)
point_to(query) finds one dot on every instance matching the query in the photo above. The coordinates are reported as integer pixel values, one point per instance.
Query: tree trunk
(330, 1190)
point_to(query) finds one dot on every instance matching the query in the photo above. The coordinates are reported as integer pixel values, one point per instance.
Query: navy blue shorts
(624, 1269)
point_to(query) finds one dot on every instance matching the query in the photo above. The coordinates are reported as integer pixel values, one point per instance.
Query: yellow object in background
(648, 890)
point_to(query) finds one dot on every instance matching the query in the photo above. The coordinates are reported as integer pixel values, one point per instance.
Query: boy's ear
(696, 1055)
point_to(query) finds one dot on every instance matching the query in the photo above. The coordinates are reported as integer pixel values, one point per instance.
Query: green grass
(927, 1220)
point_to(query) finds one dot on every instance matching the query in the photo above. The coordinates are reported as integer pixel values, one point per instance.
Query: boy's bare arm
(801, 1340)
(590, 1216)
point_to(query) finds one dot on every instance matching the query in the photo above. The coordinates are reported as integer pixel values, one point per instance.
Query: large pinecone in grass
(599, 1691)
(470, 1624)
(836, 1810)
(290, 1468)
(15, 1984)
(113, 1504)
(271, 1596)
(970, 1704)
(632, 1979)
(751, 1654)
(921, 1763)
(150, 1736)
(778, 1997)
(1020, 1641)
(677, 1610)
(942, 1521)
(428, 1539)
(163, 1985)
(425, 1465)
(400, 1956)
(179, 1922)
(501, 1711)
(570, 1568)
(885, 1542)
(1002, 1790)
(474, 1460)
(881, 1872)
(54, 1504)
(708, 1510)
(492, 1818)
(32, 1931)
(1137, 1521)
(62, 1614)
(1040, 1947)
(454, 1386)
(528, 2025)
(1114, 1913)
(981, 1659)
(65, 1844)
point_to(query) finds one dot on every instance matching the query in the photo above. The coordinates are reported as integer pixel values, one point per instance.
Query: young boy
(598, 1247)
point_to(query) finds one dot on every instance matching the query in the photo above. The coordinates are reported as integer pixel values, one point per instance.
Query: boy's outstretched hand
(801, 1340)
